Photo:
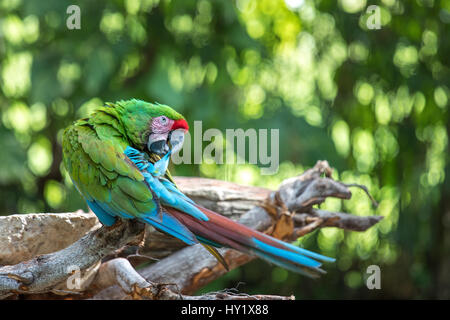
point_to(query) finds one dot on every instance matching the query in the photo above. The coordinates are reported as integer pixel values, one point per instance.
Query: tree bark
(105, 257)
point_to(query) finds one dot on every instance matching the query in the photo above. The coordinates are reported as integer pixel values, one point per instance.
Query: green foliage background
(374, 103)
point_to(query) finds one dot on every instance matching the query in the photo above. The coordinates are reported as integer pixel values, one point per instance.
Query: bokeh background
(374, 103)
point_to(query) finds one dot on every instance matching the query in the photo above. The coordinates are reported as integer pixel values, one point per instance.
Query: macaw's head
(153, 126)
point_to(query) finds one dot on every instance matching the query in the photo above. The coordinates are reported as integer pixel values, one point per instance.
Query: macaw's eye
(164, 120)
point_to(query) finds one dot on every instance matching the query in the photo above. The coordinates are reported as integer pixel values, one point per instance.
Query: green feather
(93, 156)
(138, 191)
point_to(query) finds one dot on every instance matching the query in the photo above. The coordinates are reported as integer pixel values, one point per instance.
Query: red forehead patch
(180, 124)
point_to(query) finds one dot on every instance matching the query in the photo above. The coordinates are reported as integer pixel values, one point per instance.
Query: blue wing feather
(165, 191)
(102, 215)
(172, 226)
(162, 221)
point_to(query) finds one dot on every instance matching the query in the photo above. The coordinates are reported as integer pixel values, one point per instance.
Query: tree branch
(286, 214)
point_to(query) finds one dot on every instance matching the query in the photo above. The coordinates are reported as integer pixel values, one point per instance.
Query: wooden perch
(100, 253)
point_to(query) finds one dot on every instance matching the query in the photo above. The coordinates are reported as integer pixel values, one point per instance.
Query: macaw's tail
(220, 231)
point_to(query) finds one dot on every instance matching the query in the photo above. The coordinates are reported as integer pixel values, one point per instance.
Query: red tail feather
(226, 232)
(222, 230)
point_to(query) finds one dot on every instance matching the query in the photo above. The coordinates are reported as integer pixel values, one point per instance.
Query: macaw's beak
(179, 128)
(159, 142)
(177, 139)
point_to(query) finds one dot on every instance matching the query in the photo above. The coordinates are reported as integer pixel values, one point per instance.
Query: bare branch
(346, 221)
(286, 213)
(44, 272)
(119, 271)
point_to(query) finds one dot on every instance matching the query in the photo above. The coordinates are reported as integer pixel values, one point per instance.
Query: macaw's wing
(111, 184)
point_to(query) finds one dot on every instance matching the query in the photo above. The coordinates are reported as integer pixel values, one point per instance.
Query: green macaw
(117, 159)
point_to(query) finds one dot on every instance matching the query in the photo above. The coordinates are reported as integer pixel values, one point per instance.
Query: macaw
(117, 159)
